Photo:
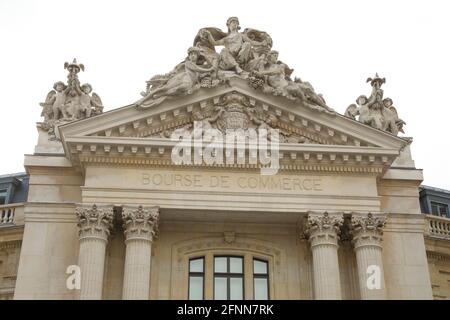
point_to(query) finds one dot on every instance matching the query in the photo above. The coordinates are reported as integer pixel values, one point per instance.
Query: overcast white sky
(335, 45)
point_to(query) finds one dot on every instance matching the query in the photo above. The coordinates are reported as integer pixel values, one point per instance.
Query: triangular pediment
(295, 120)
(306, 131)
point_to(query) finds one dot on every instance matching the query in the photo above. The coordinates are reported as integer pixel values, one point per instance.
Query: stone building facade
(435, 204)
(13, 195)
(331, 211)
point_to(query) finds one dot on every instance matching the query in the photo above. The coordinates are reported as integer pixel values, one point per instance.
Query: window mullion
(209, 276)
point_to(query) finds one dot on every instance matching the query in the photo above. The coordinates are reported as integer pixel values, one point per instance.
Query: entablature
(298, 157)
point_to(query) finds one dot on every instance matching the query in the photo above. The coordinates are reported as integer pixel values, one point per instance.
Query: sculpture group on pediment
(242, 51)
(276, 80)
(375, 111)
(184, 79)
(69, 102)
(246, 55)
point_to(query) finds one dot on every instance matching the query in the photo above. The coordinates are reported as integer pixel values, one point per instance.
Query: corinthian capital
(367, 229)
(94, 221)
(140, 222)
(323, 228)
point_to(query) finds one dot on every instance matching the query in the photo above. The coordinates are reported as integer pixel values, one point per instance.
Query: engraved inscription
(244, 183)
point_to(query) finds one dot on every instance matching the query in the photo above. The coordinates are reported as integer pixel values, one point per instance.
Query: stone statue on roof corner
(247, 55)
(69, 102)
(375, 111)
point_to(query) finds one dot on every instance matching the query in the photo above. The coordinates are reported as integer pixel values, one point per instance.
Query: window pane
(443, 210)
(196, 265)
(220, 264)
(220, 288)
(261, 289)
(259, 267)
(236, 265)
(195, 288)
(440, 209)
(236, 289)
(434, 209)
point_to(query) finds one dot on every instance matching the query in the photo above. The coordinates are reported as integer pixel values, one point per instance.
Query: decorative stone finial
(376, 81)
(375, 111)
(74, 67)
(69, 102)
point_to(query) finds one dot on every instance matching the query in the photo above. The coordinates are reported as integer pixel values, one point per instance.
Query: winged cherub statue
(375, 111)
(68, 102)
(54, 102)
(90, 104)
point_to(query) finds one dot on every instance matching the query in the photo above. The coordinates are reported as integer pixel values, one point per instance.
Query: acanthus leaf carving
(367, 229)
(323, 228)
(94, 221)
(140, 222)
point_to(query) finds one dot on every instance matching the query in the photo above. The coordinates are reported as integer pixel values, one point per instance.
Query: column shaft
(95, 224)
(323, 231)
(367, 237)
(91, 261)
(141, 227)
(137, 269)
(369, 256)
(327, 285)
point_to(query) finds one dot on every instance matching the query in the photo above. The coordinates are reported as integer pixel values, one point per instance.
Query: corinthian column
(95, 224)
(141, 227)
(323, 232)
(367, 235)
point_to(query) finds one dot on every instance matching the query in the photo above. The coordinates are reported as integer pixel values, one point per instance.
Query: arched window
(229, 277)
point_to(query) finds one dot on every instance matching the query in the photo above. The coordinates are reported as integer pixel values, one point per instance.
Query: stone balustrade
(437, 226)
(8, 213)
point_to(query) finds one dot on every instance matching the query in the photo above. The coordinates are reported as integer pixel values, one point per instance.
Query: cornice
(131, 151)
(8, 232)
(311, 167)
(410, 223)
(129, 136)
(50, 212)
(8, 245)
(438, 256)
